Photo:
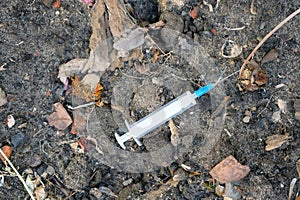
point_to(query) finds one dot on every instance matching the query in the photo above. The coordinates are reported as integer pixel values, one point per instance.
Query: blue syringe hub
(205, 89)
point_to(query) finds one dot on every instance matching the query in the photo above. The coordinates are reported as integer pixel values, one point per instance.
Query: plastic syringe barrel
(140, 128)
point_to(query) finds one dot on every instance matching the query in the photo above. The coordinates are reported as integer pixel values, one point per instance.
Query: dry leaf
(79, 122)
(40, 193)
(275, 141)
(229, 170)
(253, 77)
(84, 91)
(60, 118)
(7, 150)
(10, 121)
(270, 56)
(109, 14)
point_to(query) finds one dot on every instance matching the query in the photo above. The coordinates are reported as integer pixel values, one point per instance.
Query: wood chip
(229, 170)
(282, 105)
(3, 99)
(174, 133)
(60, 118)
(276, 141)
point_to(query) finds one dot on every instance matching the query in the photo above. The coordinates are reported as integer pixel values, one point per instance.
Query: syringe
(160, 116)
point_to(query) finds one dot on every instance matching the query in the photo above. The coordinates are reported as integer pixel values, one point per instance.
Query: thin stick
(19, 176)
(265, 38)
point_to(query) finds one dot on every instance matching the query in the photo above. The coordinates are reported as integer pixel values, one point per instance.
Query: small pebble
(35, 161)
(248, 113)
(127, 182)
(270, 56)
(17, 139)
(246, 119)
(276, 116)
(50, 170)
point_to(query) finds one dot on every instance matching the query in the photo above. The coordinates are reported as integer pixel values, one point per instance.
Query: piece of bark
(229, 170)
(276, 141)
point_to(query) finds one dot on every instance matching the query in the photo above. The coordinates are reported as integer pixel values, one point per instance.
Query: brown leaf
(142, 68)
(79, 122)
(229, 170)
(109, 14)
(275, 141)
(60, 118)
(270, 56)
(7, 150)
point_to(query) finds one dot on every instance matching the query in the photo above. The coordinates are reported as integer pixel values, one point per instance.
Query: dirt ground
(36, 39)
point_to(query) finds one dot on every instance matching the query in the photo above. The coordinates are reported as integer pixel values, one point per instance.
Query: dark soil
(35, 40)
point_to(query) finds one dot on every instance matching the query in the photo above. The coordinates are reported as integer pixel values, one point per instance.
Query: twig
(235, 29)
(265, 38)
(19, 176)
(81, 106)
